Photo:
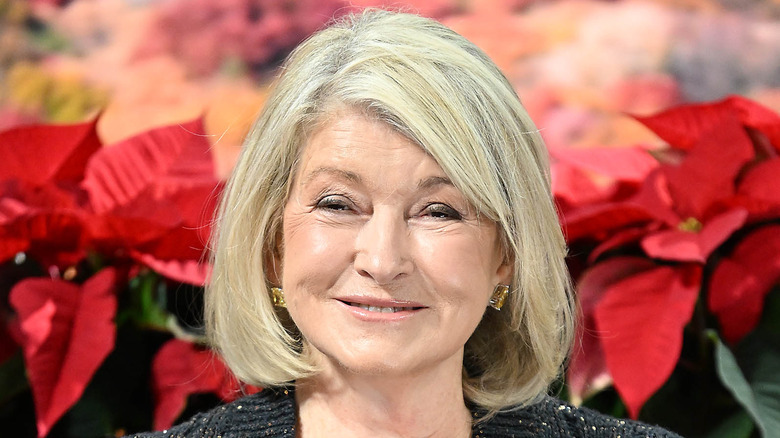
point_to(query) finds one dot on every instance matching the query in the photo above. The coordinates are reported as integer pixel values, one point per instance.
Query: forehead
(353, 140)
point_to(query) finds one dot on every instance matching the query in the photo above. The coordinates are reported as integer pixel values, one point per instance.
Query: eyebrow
(434, 181)
(351, 176)
(423, 184)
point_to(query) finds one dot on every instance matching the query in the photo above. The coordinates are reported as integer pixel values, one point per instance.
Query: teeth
(379, 309)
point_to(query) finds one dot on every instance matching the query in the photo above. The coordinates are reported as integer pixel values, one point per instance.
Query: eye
(334, 203)
(441, 211)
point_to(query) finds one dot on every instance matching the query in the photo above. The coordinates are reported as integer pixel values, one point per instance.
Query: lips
(381, 309)
(378, 305)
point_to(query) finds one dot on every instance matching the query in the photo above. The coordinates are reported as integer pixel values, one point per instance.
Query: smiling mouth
(381, 309)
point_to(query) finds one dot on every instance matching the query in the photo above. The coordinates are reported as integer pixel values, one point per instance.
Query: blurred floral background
(120, 118)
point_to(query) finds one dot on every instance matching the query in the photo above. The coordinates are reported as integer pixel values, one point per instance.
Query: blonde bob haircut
(444, 94)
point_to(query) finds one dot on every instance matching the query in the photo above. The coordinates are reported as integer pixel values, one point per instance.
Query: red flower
(41, 209)
(693, 241)
(596, 211)
(692, 198)
(640, 320)
(686, 125)
(719, 180)
(719, 174)
(716, 179)
(757, 190)
(180, 369)
(42, 154)
(587, 372)
(67, 331)
(153, 196)
(741, 282)
(634, 312)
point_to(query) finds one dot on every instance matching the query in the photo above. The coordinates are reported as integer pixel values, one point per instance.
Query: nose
(382, 247)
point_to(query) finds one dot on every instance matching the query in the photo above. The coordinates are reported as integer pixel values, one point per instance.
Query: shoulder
(551, 417)
(268, 413)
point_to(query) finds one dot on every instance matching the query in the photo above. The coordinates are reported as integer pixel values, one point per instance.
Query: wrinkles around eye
(433, 210)
(335, 203)
(441, 211)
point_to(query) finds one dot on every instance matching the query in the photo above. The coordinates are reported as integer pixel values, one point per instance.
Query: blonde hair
(443, 93)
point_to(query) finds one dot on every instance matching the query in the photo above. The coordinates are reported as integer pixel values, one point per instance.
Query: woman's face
(385, 267)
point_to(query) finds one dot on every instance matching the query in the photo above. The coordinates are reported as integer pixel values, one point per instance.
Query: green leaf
(739, 425)
(764, 378)
(731, 376)
(756, 384)
(147, 306)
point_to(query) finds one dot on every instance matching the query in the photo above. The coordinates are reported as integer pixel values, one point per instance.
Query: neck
(337, 402)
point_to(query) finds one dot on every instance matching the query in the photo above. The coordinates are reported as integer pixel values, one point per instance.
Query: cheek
(461, 264)
(313, 256)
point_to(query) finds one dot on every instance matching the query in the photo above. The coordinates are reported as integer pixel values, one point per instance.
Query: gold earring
(278, 296)
(498, 298)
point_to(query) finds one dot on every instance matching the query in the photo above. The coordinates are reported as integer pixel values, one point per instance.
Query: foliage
(675, 255)
(86, 230)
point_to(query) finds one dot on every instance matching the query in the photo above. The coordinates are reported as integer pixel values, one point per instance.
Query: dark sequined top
(273, 414)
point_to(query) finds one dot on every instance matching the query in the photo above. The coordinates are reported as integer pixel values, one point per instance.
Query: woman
(388, 259)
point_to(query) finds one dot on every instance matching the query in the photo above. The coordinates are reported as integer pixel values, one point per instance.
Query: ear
(506, 270)
(272, 265)
(272, 260)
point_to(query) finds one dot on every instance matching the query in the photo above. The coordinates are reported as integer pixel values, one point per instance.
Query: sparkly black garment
(272, 414)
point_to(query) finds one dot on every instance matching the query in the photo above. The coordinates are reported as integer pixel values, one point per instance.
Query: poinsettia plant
(675, 256)
(99, 245)
(676, 259)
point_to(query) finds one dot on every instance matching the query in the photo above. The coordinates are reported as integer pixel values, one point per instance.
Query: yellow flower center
(691, 225)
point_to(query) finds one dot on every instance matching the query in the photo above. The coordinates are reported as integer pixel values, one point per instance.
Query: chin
(387, 363)
(375, 368)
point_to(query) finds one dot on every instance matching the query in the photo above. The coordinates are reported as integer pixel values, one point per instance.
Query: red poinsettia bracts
(648, 224)
(67, 331)
(588, 371)
(148, 200)
(181, 369)
(668, 245)
(741, 281)
(641, 345)
(41, 208)
(151, 196)
(154, 196)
